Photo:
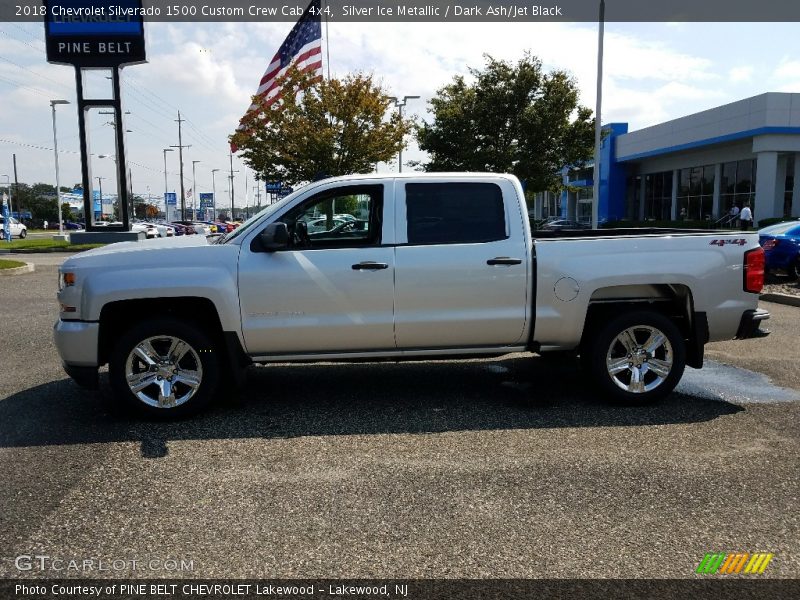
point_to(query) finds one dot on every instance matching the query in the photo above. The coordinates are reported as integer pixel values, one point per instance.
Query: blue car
(781, 244)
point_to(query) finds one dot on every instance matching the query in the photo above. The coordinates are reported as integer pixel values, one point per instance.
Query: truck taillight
(754, 270)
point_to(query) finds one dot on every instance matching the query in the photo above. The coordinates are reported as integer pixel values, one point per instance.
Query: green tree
(513, 118)
(330, 127)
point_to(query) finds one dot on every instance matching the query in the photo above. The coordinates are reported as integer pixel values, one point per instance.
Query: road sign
(206, 201)
(274, 186)
(171, 199)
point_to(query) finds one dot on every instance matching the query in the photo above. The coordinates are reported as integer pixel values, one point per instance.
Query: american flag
(302, 48)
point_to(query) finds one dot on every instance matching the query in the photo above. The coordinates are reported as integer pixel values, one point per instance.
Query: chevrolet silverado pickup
(411, 266)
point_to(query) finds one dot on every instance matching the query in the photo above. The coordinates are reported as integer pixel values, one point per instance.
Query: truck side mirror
(274, 237)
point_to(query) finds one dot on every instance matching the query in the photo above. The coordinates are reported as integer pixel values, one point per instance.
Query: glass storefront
(696, 193)
(658, 196)
(738, 185)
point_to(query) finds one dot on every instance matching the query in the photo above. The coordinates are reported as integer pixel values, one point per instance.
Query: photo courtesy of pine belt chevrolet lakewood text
(417, 266)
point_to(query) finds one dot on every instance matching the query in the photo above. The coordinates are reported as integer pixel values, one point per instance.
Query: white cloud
(741, 74)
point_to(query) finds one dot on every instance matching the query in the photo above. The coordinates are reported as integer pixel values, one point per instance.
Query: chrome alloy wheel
(639, 359)
(163, 371)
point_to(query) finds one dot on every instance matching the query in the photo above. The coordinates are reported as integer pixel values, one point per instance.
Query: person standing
(45, 224)
(746, 217)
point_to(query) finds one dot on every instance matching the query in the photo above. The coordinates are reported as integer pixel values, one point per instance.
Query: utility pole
(180, 148)
(16, 192)
(194, 188)
(166, 187)
(214, 193)
(231, 186)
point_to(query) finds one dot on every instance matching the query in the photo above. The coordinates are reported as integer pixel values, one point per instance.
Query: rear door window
(454, 213)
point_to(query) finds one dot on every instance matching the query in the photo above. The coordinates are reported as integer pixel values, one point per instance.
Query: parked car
(448, 268)
(150, 230)
(17, 229)
(182, 229)
(319, 225)
(781, 244)
(563, 224)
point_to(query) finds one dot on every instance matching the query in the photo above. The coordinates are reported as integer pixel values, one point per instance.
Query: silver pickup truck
(417, 266)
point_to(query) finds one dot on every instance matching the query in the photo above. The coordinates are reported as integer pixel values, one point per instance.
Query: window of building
(454, 213)
(696, 193)
(789, 188)
(658, 195)
(738, 185)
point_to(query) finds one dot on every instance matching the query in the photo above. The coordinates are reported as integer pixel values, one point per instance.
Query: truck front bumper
(77, 343)
(750, 325)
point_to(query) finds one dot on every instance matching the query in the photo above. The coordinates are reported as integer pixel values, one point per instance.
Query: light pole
(194, 188)
(598, 129)
(8, 190)
(400, 104)
(53, 104)
(166, 185)
(100, 183)
(214, 193)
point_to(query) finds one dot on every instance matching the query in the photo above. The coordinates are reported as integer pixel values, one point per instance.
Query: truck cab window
(454, 213)
(341, 217)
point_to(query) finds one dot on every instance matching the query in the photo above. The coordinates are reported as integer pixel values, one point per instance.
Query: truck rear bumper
(750, 325)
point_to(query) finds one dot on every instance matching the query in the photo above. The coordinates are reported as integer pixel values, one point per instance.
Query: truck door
(332, 289)
(462, 265)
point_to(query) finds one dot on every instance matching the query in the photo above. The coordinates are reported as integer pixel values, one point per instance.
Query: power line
(22, 42)
(58, 83)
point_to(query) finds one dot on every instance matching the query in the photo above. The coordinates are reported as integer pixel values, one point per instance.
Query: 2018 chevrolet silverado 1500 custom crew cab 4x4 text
(402, 266)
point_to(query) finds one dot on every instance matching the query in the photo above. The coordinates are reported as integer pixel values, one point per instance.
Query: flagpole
(327, 45)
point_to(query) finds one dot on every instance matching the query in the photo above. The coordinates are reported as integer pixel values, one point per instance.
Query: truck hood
(160, 252)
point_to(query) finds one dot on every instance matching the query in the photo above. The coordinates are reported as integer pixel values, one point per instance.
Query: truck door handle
(504, 260)
(370, 266)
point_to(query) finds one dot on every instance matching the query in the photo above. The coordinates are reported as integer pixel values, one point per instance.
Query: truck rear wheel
(638, 358)
(164, 368)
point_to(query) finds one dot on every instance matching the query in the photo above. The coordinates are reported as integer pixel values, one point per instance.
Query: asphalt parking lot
(504, 468)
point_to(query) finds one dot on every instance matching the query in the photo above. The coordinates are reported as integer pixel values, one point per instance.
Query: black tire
(185, 398)
(23, 234)
(608, 353)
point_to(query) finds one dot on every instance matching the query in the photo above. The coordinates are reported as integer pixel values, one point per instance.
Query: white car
(17, 229)
(163, 230)
(149, 229)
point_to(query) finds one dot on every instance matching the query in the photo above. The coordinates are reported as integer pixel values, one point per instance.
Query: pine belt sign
(93, 33)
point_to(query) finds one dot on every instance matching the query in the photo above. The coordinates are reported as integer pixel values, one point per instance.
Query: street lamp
(100, 183)
(194, 187)
(214, 192)
(166, 188)
(400, 104)
(8, 190)
(53, 104)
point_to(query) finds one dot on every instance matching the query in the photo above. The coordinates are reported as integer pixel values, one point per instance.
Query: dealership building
(696, 167)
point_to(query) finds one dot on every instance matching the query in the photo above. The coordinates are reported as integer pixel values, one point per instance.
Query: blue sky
(653, 72)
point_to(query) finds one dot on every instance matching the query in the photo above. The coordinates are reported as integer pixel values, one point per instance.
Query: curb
(27, 268)
(781, 299)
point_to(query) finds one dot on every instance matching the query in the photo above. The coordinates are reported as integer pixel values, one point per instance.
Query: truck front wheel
(638, 358)
(164, 368)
